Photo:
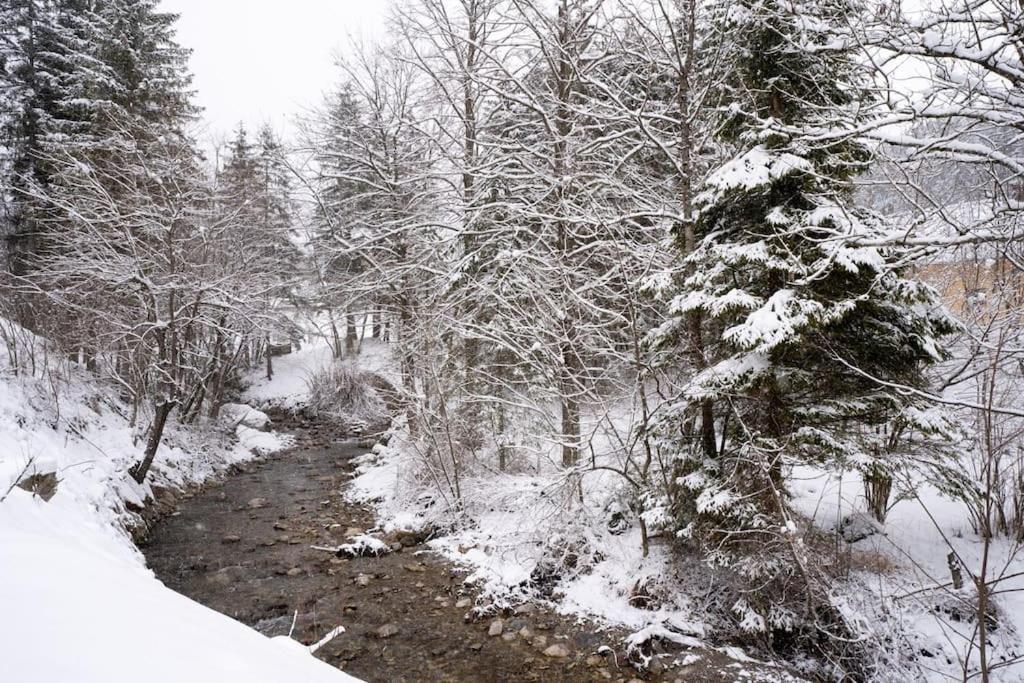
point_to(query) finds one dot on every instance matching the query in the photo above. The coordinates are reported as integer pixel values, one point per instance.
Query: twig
(17, 479)
(331, 635)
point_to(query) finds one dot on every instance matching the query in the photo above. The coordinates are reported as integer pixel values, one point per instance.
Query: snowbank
(908, 601)
(79, 605)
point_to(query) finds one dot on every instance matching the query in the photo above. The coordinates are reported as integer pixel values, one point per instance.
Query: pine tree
(153, 83)
(255, 195)
(53, 80)
(807, 327)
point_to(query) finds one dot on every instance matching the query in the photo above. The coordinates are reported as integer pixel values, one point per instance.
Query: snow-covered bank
(907, 598)
(80, 606)
(79, 603)
(521, 537)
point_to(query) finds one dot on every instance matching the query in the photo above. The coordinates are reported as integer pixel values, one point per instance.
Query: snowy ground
(912, 602)
(79, 603)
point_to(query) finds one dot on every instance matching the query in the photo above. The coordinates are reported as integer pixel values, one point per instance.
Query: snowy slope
(80, 606)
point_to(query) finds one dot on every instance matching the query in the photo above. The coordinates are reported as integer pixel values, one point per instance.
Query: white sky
(267, 60)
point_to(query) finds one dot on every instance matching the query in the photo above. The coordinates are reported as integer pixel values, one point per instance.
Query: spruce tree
(255, 195)
(153, 83)
(806, 327)
(53, 82)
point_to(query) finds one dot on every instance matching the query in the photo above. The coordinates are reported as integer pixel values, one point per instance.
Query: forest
(696, 320)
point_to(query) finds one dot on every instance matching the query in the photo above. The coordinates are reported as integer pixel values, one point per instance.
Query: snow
(241, 414)
(919, 533)
(755, 168)
(80, 606)
(287, 389)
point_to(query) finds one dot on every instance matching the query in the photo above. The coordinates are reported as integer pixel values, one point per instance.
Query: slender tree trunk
(351, 337)
(156, 432)
(694, 322)
(336, 346)
(377, 318)
(270, 360)
(570, 409)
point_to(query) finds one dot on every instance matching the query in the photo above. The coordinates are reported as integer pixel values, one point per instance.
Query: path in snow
(243, 547)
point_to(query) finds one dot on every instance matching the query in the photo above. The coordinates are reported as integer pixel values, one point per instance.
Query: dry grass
(343, 391)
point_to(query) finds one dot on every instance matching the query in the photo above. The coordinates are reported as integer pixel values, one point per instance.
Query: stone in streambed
(557, 650)
(387, 631)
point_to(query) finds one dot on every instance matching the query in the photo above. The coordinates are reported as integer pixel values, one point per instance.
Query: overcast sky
(267, 60)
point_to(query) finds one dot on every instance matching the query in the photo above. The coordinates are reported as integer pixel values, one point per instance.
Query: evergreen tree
(53, 82)
(255, 193)
(80, 78)
(153, 83)
(807, 328)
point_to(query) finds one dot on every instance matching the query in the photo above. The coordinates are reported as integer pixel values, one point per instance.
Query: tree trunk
(156, 432)
(377, 317)
(270, 360)
(570, 410)
(351, 337)
(504, 450)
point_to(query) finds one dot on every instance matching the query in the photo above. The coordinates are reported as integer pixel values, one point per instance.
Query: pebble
(257, 503)
(231, 539)
(417, 567)
(497, 626)
(363, 580)
(387, 631)
(595, 660)
(539, 642)
(463, 603)
(526, 633)
(220, 578)
(295, 571)
(557, 650)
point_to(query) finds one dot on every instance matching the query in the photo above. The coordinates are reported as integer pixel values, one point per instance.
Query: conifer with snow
(810, 330)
